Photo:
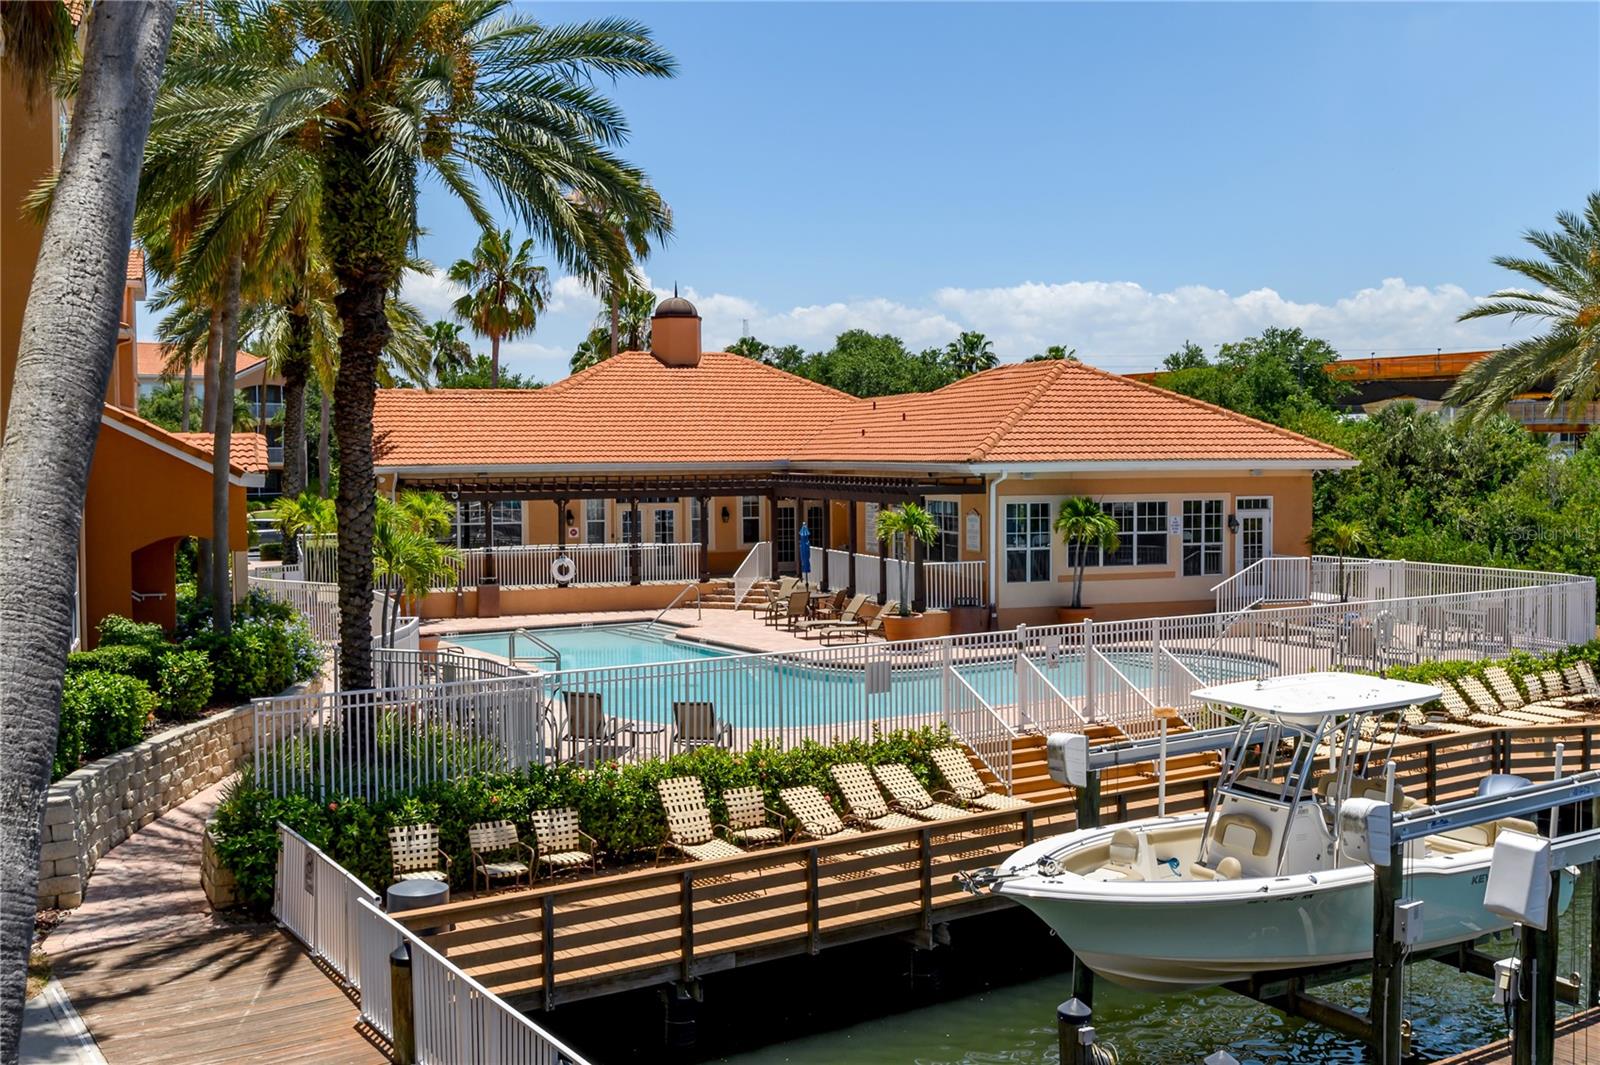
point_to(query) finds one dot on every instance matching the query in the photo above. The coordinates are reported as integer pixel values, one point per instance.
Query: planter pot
(1069, 615)
(916, 626)
(965, 619)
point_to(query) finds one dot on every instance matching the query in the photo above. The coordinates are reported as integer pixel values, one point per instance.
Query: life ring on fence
(563, 570)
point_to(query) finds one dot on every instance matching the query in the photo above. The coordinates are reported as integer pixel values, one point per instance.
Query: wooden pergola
(562, 489)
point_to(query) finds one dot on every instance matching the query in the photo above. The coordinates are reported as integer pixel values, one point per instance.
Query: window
(1027, 542)
(665, 526)
(947, 516)
(697, 524)
(1254, 503)
(594, 521)
(750, 519)
(1141, 536)
(628, 532)
(507, 523)
(1202, 537)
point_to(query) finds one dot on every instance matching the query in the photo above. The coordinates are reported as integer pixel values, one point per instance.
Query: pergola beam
(788, 486)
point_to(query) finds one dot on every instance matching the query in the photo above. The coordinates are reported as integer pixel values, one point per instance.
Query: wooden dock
(1577, 1043)
(577, 939)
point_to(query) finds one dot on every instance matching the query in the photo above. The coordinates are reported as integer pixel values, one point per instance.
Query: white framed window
(697, 525)
(1027, 542)
(470, 527)
(946, 514)
(750, 519)
(665, 526)
(594, 521)
(1141, 536)
(1202, 537)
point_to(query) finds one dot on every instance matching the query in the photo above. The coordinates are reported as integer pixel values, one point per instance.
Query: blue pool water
(776, 692)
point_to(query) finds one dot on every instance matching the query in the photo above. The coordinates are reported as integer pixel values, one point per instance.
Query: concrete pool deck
(736, 630)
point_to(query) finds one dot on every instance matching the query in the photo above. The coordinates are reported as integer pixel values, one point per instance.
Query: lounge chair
(815, 814)
(1556, 699)
(910, 797)
(560, 843)
(1504, 688)
(690, 830)
(1415, 721)
(795, 608)
(777, 600)
(1581, 691)
(847, 616)
(496, 854)
(1487, 706)
(1464, 713)
(863, 799)
(696, 725)
(414, 852)
(966, 785)
(592, 732)
(868, 622)
(747, 818)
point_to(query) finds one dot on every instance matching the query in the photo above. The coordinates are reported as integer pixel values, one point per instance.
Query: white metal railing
(979, 726)
(376, 742)
(316, 601)
(755, 566)
(1112, 698)
(957, 583)
(1173, 681)
(316, 899)
(535, 565)
(454, 1018)
(1041, 707)
(1274, 579)
(403, 668)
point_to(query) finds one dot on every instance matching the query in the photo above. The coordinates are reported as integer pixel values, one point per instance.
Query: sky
(1116, 178)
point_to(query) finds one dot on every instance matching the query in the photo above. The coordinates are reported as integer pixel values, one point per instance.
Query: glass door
(785, 535)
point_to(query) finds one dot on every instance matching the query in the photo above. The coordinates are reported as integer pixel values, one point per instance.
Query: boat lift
(1074, 762)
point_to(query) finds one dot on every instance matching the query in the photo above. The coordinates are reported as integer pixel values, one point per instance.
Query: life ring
(563, 570)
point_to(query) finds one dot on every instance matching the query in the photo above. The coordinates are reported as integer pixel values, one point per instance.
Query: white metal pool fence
(534, 565)
(455, 1019)
(1112, 673)
(1280, 579)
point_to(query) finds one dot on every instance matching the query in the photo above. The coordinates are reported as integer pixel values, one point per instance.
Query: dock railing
(315, 898)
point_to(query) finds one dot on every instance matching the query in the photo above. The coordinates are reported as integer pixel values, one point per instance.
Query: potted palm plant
(902, 526)
(1082, 524)
(1342, 538)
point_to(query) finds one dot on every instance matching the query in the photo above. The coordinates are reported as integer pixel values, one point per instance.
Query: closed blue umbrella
(805, 552)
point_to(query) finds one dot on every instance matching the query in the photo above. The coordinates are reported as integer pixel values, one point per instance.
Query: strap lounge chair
(559, 844)
(1462, 712)
(696, 725)
(966, 785)
(1484, 702)
(496, 854)
(869, 622)
(1558, 699)
(909, 796)
(865, 802)
(690, 830)
(1581, 691)
(747, 818)
(415, 854)
(1504, 688)
(847, 616)
(816, 816)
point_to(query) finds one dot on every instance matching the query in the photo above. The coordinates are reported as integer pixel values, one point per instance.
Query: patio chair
(795, 608)
(1464, 713)
(696, 725)
(496, 848)
(830, 607)
(847, 615)
(1539, 709)
(1556, 700)
(966, 785)
(910, 797)
(559, 843)
(868, 622)
(690, 830)
(815, 814)
(1504, 688)
(777, 600)
(591, 732)
(1415, 721)
(414, 852)
(1487, 706)
(747, 818)
(863, 799)
(1580, 692)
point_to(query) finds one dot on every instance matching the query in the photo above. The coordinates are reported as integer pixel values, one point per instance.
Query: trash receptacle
(418, 895)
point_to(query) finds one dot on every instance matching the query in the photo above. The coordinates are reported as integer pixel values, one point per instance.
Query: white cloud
(432, 294)
(571, 294)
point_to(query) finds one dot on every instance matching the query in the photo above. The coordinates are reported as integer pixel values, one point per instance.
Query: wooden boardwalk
(1577, 1043)
(246, 996)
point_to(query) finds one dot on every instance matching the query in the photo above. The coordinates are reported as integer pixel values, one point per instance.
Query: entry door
(1254, 541)
(785, 535)
(663, 525)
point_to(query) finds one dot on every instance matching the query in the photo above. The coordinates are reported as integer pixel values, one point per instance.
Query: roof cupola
(675, 332)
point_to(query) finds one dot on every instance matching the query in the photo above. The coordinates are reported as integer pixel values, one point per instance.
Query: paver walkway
(158, 978)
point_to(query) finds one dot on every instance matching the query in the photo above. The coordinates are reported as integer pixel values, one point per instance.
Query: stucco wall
(578, 599)
(28, 149)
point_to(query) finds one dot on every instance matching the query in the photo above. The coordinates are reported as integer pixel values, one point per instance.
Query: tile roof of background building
(150, 359)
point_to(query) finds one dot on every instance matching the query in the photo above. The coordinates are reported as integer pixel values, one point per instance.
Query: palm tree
(306, 513)
(54, 404)
(377, 94)
(970, 353)
(407, 553)
(902, 526)
(448, 351)
(1342, 538)
(1083, 525)
(1566, 297)
(505, 294)
(617, 283)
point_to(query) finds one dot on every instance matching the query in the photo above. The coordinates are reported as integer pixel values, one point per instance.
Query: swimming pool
(641, 670)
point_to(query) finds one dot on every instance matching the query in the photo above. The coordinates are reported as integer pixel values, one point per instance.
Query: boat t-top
(1261, 881)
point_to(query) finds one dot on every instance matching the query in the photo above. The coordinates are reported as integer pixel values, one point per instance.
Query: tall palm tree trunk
(494, 360)
(221, 452)
(188, 392)
(324, 455)
(615, 317)
(52, 421)
(296, 367)
(208, 424)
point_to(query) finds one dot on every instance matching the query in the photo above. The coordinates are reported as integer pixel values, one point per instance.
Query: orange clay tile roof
(1054, 411)
(630, 409)
(136, 265)
(729, 410)
(196, 445)
(247, 452)
(151, 360)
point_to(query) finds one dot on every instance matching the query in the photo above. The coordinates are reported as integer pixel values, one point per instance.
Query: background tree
(905, 527)
(449, 353)
(1342, 538)
(1566, 357)
(1084, 526)
(164, 406)
(1189, 357)
(478, 373)
(54, 406)
(1272, 376)
(506, 291)
(617, 279)
(1054, 353)
(970, 353)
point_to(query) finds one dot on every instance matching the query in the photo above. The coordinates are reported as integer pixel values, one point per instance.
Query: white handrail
(979, 726)
(1041, 706)
(752, 569)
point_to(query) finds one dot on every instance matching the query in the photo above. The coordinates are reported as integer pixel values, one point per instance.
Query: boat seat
(1231, 827)
(1227, 869)
(1485, 834)
(1123, 859)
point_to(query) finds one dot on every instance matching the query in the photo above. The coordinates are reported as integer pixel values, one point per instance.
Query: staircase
(717, 594)
(1030, 767)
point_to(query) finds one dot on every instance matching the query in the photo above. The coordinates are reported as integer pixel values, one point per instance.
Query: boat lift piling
(1074, 763)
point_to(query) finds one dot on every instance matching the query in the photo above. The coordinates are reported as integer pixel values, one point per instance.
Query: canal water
(990, 997)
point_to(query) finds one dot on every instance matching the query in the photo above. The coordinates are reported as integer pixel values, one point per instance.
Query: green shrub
(617, 804)
(260, 656)
(113, 708)
(131, 660)
(118, 631)
(272, 552)
(183, 684)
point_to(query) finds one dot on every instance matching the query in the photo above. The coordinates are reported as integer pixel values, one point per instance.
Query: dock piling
(1072, 1027)
(405, 1028)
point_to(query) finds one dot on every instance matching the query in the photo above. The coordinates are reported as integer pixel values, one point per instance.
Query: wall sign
(974, 531)
(1175, 525)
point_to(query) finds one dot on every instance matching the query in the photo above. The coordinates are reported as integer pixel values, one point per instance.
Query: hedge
(101, 712)
(617, 804)
(1517, 664)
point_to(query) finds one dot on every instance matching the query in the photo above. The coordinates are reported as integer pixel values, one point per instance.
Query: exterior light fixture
(725, 515)
(1233, 523)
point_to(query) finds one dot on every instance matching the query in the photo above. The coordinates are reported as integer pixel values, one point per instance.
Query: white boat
(1261, 881)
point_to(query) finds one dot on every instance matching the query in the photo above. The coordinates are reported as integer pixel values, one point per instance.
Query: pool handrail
(551, 653)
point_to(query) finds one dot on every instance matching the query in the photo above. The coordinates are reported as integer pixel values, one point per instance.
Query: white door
(1254, 540)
